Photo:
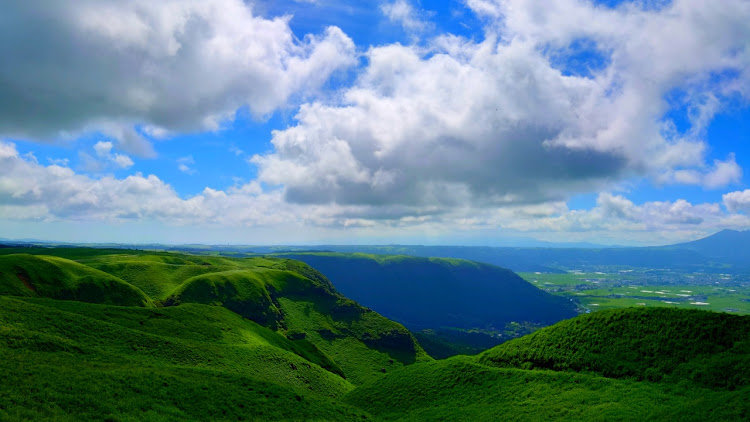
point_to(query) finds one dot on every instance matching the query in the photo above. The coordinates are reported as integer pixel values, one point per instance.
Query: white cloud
(616, 219)
(184, 163)
(103, 158)
(403, 13)
(58, 195)
(168, 66)
(738, 201)
(722, 174)
(499, 123)
(449, 136)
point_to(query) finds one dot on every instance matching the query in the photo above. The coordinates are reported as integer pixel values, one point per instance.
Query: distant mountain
(726, 251)
(727, 245)
(437, 292)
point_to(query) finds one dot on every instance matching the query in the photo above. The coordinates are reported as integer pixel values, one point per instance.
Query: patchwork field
(626, 288)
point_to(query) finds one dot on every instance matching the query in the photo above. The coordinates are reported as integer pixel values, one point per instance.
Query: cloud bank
(163, 66)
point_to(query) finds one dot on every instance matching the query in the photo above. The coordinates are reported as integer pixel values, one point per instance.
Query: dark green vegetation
(642, 344)
(634, 364)
(438, 296)
(69, 360)
(216, 338)
(275, 327)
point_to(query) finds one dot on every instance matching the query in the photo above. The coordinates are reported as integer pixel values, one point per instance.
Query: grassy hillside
(633, 364)
(272, 339)
(59, 278)
(66, 359)
(307, 308)
(160, 273)
(460, 389)
(641, 343)
(281, 294)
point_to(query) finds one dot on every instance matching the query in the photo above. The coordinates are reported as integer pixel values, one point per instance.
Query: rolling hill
(67, 360)
(633, 364)
(272, 339)
(278, 293)
(60, 278)
(639, 343)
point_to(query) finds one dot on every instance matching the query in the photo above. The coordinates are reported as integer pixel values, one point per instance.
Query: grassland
(634, 364)
(460, 389)
(60, 278)
(281, 294)
(193, 337)
(68, 360)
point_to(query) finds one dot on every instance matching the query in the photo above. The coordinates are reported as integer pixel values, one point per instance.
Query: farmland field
(624, 288)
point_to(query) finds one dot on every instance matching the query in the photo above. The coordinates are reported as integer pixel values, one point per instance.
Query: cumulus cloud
(166, 66)
(403, 13)
(55, 192)
(738, 201)
(498, 122)
(452, 134)
(104, 158)
(722, 173)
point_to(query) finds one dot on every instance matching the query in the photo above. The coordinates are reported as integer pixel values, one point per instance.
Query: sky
(472, 122)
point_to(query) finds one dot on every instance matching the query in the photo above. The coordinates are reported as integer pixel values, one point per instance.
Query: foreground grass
(460, 389)
(77, 361)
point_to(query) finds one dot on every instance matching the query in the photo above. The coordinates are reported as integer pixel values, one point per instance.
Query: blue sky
(466, 121)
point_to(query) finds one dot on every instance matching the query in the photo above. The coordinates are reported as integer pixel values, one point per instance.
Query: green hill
(159, 273)
(272, 339)
(278, 293)
(59, 278)
(630, 364)
(307, 308)
(641, 343)
(69, 360)
(460, 389)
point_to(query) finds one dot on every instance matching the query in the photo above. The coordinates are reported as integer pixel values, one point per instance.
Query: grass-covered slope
(436, 292)
(292, 297)
(654, 344)
(633, 364)
(159, 273)
(281, 294)
(60, 278)
(460, 389)
(66, 359)
(69, 360)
